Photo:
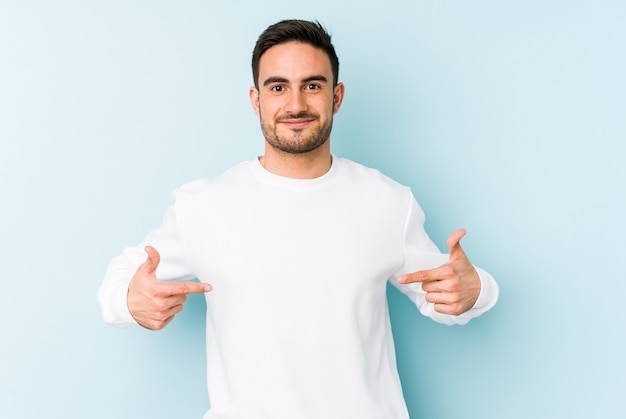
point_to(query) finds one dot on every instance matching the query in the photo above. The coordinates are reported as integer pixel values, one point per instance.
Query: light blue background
(507, 118)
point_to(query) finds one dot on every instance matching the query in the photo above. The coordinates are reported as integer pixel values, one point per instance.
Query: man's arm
(133, 291)
(152, 303)
(446, 288)
(453, 288)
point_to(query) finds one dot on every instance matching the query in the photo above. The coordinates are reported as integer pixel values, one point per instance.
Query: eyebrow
(316, 77)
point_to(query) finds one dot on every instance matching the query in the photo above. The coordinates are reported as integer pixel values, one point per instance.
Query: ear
(254, 99)
(338, 93)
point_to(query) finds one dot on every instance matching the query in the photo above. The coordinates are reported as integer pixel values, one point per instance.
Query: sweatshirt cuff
(489, 291)
(116, 312)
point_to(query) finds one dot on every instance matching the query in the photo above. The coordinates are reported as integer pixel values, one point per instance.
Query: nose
(296, 102)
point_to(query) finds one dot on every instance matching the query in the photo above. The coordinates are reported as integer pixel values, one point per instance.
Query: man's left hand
(453, 287)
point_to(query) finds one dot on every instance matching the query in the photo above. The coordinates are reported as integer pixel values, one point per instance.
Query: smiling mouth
(296, 123)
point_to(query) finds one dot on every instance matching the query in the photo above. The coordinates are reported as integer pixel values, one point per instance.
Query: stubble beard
(298, 142)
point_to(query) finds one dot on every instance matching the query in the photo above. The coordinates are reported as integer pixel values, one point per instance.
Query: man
(297, 246)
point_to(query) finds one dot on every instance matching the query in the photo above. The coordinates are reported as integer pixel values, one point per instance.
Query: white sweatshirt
(297, 322)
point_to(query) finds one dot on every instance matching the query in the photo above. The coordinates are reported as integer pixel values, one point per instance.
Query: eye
(277, 88)
(312, 86)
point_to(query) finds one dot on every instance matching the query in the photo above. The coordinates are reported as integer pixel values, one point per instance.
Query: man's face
(296, 100)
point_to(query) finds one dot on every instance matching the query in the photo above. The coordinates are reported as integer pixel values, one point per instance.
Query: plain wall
(507, 118)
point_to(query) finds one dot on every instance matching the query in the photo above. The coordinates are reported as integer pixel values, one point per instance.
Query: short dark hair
(312, 33)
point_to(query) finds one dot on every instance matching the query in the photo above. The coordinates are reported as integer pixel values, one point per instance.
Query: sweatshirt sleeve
(421, 253)
(168, 242)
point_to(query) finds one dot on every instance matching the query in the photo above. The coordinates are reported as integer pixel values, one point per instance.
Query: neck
(309, 165)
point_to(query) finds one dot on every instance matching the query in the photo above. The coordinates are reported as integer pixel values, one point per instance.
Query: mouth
(296, 123)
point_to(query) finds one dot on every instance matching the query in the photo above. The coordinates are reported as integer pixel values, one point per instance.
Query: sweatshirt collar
(264, 176)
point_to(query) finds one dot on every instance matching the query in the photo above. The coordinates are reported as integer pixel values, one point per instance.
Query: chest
(243, 239)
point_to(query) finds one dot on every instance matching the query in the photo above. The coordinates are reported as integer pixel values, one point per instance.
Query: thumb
(150, 265)
(454, 243)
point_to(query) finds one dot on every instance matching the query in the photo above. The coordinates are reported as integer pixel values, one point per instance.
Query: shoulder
(369, 177)
(228, 177)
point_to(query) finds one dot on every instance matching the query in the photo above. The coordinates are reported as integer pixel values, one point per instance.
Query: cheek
(268, 107)
(326, 105)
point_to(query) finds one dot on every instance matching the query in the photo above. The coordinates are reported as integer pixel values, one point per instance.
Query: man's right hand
(152, 303)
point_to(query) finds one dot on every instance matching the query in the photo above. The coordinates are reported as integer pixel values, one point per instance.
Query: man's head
(312, 33)
(296, 92)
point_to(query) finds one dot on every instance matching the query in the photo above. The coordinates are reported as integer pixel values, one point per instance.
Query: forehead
(294, 61)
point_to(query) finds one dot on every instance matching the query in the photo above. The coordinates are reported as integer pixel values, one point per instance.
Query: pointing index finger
(189, 288)
(435, 274)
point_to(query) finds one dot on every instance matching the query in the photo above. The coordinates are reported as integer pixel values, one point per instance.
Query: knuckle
(456, 309)
(161, 317)
(423, 276)
(158, 290)
(160, 306)
(159, 325)
(152, 324)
